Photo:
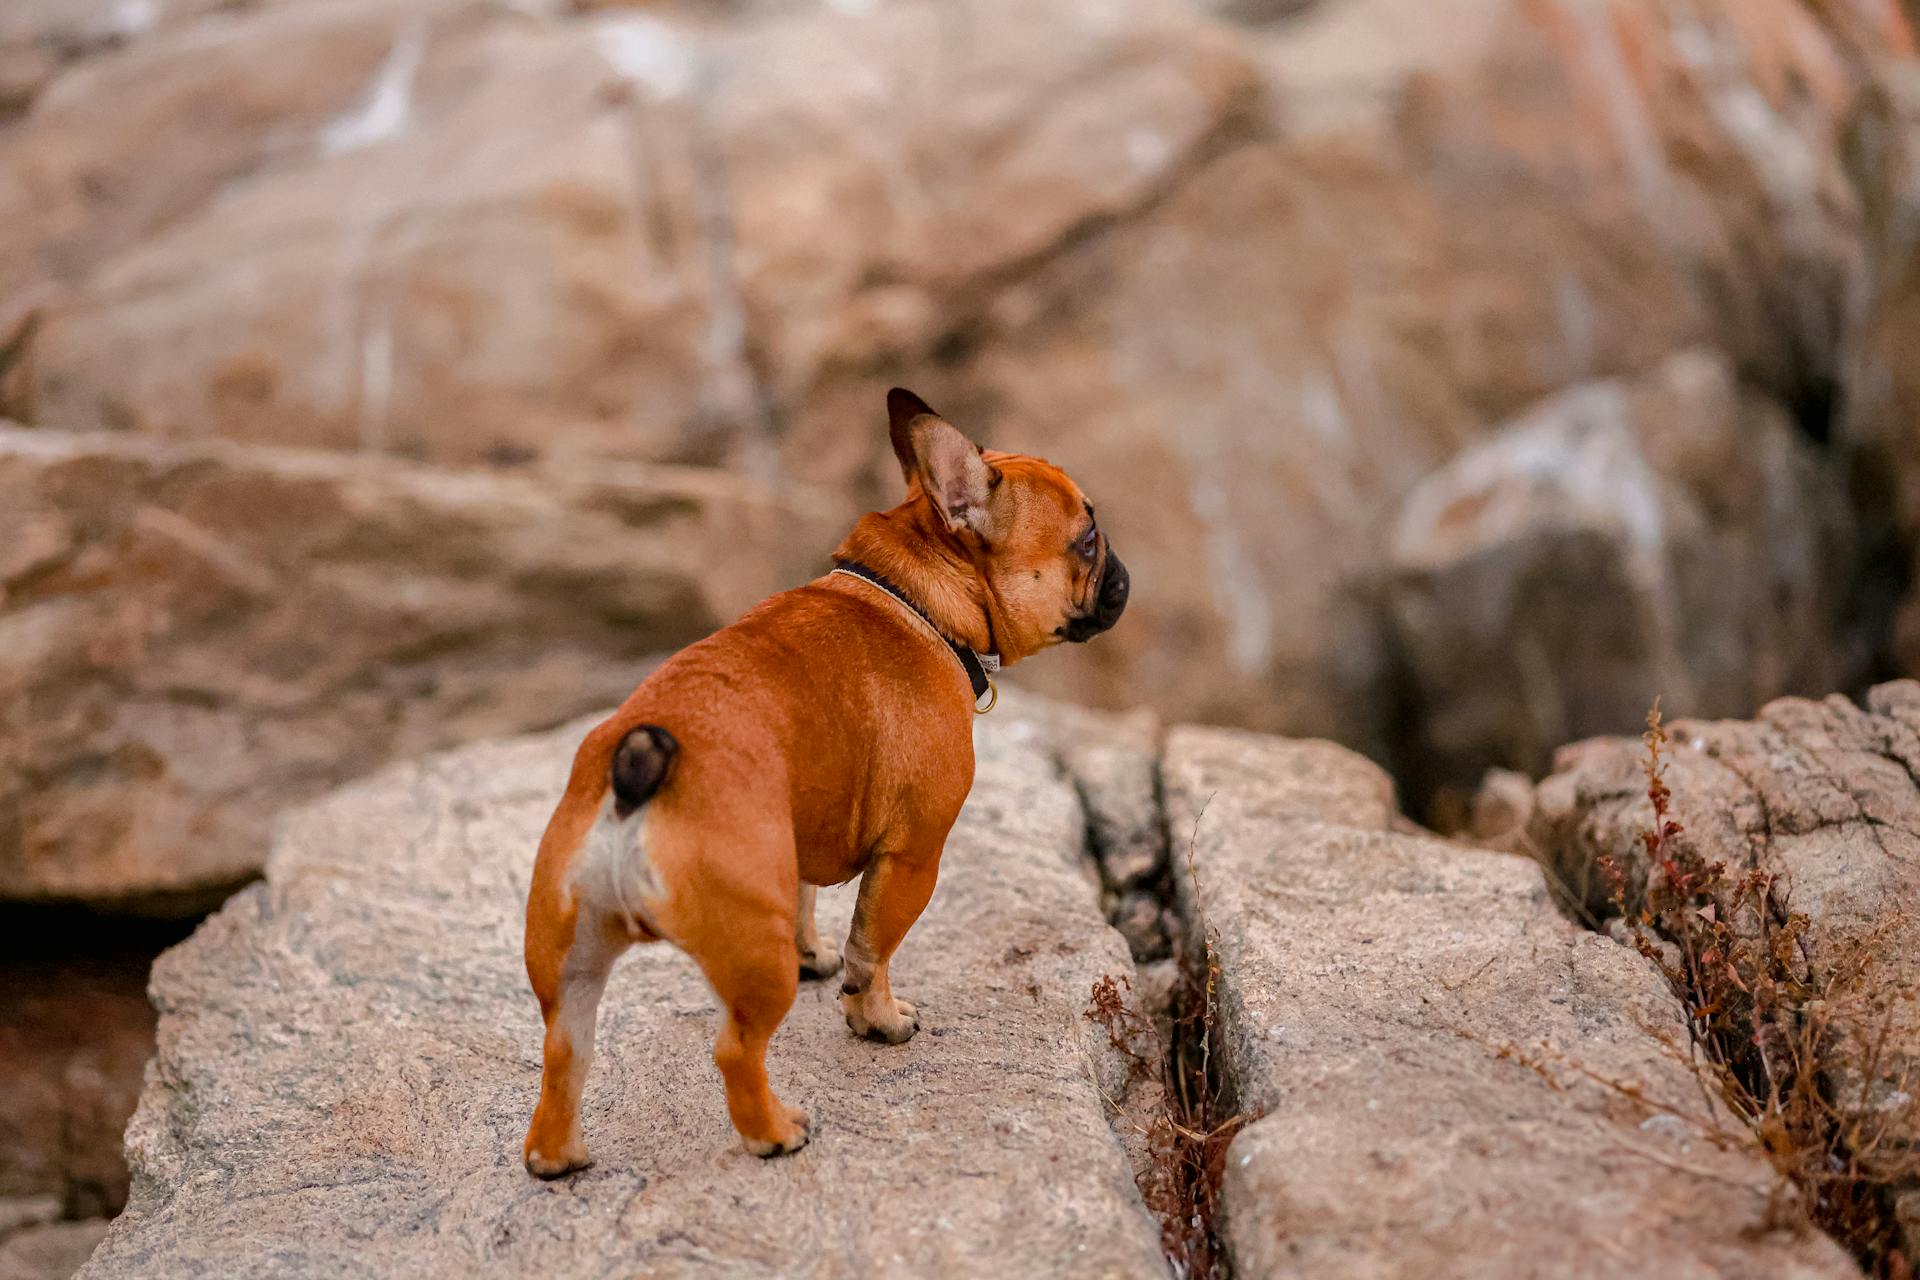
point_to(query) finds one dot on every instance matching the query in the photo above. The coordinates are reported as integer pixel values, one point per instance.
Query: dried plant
(1189, 1132)
(1768, 1020)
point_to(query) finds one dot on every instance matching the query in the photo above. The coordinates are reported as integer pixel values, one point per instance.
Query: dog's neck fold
(908, 547)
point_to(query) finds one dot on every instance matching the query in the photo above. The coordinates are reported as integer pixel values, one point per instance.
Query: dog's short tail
(641, 764)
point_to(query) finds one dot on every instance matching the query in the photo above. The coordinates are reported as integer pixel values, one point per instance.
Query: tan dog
(827, 734)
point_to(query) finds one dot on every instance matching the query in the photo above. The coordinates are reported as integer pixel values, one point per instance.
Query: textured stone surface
(50, 1249)
(1249, 279)
(192, 636)
(1882, 386)
(1673, 535)
(1479, 205)
(348, 1055)
(1113, 760)
(623, 233)
(76, 1031)
(1392, 1006)
(1823, 794)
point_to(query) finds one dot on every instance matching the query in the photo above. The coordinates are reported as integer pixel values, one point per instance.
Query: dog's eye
(1088, 543)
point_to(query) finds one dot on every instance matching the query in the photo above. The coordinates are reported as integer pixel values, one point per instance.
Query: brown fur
(825, 735)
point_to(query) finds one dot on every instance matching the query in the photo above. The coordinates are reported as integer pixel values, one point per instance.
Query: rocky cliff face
(1444, 1075)
(394, 373)
(1675, 534)
(1250, 271)
(193, 636)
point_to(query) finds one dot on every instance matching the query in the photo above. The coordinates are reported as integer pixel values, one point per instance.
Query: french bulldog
(825, 735)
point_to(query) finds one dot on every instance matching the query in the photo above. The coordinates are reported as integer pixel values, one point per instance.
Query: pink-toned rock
(1250, 280)
(625, 235)
(1425, 1046)
(192, 636)
(1670, 537)
(365, 1011)
(1303, 329)
(1824, 795)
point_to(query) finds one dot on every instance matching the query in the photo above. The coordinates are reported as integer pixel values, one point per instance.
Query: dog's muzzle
(1108, 603)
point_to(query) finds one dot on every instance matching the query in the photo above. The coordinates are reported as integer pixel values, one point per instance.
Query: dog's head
(1023, 526)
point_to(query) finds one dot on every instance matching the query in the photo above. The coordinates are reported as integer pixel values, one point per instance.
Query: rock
(1286, 266)
(192, 636)
(1882, 387)
(1501, 807)
(1673, 537)
(1141, 920)
(49, 1250)
(636, 235)
(40, 37)
(1309, 323)
(1823, 794)
(75, 1034)
(348, 1054)
(1427, 1045)
(1113, 759)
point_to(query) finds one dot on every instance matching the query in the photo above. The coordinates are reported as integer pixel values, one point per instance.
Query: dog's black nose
(1113, 593)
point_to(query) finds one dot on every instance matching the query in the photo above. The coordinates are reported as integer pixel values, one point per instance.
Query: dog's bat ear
(957, 478)
(902, 408)
(946, 465)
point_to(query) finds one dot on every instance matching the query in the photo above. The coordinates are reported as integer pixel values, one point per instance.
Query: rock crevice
(1822, 799)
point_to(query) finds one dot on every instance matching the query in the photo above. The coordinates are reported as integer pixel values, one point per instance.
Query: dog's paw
(559, 1164)
(799, 1129)
(897, 1029)
(822, 962)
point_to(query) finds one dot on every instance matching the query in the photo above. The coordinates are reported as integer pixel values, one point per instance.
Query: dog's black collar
(976, 665)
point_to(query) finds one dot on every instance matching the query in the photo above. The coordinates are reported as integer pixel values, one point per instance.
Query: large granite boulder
(1671, 535)
(1448, 213)
(1448, 1078)
(453, 229)
(195, 635)
(1249, 278)
(348, 1056)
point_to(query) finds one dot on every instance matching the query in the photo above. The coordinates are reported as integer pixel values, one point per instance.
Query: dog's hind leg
(568, 981)
(818, 957)
(755, 973)
(582, 912)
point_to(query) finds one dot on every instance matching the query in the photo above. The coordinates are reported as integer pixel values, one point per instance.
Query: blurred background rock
(385, 374)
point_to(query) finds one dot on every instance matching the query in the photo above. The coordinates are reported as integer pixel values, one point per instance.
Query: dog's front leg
(893, 893)
(818, 957)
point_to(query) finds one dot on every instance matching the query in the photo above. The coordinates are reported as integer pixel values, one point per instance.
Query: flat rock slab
(1413, 1020)
(348, 1055)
